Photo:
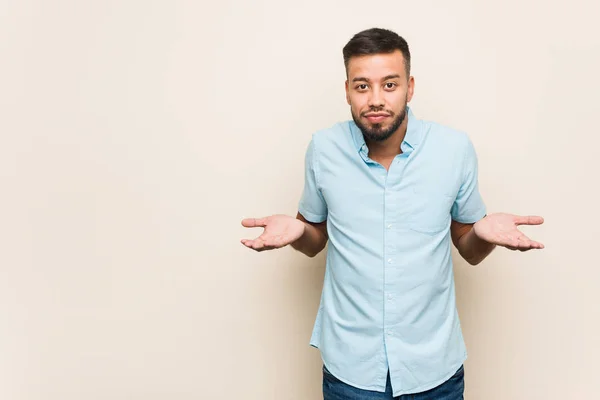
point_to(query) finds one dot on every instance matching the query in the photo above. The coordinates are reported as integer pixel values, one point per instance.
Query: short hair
(376, 41)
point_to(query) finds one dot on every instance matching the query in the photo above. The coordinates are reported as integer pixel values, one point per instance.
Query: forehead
(375, 66)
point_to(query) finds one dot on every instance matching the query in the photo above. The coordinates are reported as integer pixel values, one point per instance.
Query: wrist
(476, 228)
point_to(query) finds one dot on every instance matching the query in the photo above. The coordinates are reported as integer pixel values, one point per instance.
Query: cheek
(397, 99)
(358, 109)
(357, 102)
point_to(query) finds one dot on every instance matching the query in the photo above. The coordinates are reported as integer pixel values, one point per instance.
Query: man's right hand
(279, 231)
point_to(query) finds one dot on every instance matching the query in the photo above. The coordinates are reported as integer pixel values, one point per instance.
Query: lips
(376, 117)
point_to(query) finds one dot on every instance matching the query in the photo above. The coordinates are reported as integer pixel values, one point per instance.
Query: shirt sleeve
(468, 206)
(312, 205)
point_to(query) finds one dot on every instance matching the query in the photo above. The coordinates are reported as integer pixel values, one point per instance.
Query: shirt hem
(380, 388)
(431, 385)
(310, 217)
(473, 219)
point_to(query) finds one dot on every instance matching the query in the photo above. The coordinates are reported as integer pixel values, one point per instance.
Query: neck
(390, 147)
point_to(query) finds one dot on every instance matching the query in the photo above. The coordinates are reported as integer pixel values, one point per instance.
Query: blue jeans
(334, 389)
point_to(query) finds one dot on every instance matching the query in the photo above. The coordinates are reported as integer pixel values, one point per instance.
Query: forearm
(473, 249)
(313, 240)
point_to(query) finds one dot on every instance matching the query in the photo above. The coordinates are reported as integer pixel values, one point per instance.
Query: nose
(376, 99)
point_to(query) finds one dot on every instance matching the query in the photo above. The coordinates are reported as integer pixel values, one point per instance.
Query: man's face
(378, 91)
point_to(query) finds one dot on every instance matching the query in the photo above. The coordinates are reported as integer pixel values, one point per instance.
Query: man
(390, 193)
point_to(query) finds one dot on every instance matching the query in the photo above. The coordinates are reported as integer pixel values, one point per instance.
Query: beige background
(135, 135)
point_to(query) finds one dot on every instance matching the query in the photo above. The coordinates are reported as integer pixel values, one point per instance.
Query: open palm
(280, 230)
(501, 229)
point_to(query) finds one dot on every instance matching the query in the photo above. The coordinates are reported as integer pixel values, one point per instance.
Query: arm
(478, 234)
(473, 249)
(314, 238)
(312, 205)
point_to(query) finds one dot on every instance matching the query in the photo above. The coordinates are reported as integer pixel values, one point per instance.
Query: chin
(379, 129)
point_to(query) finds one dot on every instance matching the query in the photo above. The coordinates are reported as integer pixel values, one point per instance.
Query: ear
(347, 93)
(411, 89)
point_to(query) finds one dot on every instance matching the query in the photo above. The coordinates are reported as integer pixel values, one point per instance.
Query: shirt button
(389, 333)
(389, 226)
(389, 261)
(390, 296)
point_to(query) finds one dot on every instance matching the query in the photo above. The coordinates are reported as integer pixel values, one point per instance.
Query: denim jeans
(334, 389)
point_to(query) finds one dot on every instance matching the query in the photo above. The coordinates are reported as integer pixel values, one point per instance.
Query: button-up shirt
(388, 299)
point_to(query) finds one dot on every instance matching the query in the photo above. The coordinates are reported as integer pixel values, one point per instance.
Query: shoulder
(446, 137)
(446, 146)
(333, 139)
(333, 133)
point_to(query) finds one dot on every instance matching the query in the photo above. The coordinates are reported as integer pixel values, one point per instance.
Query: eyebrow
(363, 79)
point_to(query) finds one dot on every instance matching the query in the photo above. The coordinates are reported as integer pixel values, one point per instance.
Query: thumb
(529, 220)
(254, 222)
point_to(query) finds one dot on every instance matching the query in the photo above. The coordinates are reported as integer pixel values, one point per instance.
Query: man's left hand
(501, 229)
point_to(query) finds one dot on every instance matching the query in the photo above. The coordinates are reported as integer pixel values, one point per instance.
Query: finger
(254, 222)
(529, 220)
(536, 245)
(257, 247)
(265, 248)
(255, 244)
(248, 243)
(526, 243)
(258, 244)
(511, 248)
(252, 244)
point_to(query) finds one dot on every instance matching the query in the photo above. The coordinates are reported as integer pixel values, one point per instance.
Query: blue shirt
(388, 300)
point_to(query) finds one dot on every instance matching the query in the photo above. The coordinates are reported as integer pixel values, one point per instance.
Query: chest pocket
(428, 210)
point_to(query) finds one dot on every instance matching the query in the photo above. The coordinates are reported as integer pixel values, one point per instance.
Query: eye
(390, 85)
(362, 86)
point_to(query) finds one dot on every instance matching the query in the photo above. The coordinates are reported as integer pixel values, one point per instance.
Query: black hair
(376, 41)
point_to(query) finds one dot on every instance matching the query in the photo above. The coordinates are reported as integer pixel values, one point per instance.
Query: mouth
(376, 117)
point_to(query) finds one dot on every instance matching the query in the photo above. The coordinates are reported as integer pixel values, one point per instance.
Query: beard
(376, 132)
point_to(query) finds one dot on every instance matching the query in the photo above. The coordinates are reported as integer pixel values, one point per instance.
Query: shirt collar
(412, 138)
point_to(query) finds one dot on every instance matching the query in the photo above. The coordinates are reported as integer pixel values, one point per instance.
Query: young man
(390, 192)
